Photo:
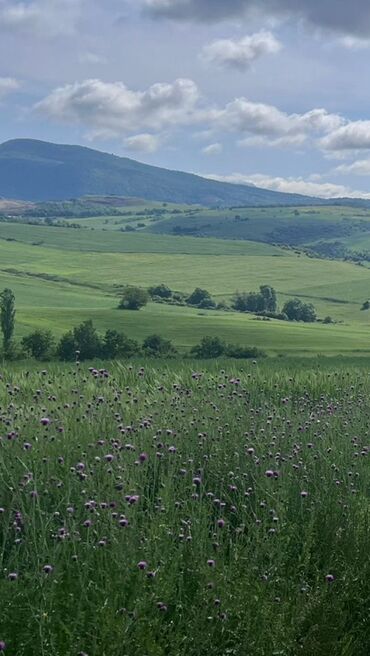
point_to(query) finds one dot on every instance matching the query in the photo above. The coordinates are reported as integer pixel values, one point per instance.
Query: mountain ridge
(35, 170)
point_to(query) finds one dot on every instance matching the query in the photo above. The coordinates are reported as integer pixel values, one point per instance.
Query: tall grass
(166, 512)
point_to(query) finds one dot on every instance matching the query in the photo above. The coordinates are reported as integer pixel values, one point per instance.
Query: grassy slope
(95, 262)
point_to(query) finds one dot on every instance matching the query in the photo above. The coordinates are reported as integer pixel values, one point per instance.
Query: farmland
(62, 276)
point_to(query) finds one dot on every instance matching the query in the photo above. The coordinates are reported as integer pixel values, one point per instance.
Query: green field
(62, 276)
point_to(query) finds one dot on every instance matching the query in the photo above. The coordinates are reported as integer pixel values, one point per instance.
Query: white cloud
(8, 85)
(142, 143)
(212, 149)
(109, 109)
(240, 54)
(292, 185)
(360, 167)
(355, 135)
(46, 18)
(271, 124)
(354, 43)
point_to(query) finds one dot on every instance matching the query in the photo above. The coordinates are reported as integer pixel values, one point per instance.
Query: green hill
(39, 171)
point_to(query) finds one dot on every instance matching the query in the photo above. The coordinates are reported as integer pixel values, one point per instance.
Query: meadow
(171, 509)
(61, 276)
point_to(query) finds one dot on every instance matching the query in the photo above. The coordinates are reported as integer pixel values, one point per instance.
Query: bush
(209, 347)
(298, 311)
(39, 344)
(157, 346)
(82, 343)
(262, 301)
(366, 305)
(133, 298)
(244, 352)
(161, 291)
(201, 298)
(117, 345)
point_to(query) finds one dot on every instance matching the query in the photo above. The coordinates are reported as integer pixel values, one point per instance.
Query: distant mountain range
(40, 171)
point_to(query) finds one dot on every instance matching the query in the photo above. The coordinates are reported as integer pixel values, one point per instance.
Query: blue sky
(271, 92)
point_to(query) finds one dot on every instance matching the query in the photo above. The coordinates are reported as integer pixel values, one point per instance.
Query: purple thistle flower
(47, 569)
(211, 563)
(45, 421)
(12, 576)
(143, 457)
(329, 578)
(2, 645)
(142, 564)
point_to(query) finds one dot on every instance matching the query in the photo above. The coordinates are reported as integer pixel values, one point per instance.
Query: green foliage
(209, 347)
(254, 533)
(157, 346)
(366, 305)
(263, 301)
(7, 319)
(117, 345)
(201, 298)
(133, 298)
(244, 352)
(296, 310)
(39, 344)
(162, 291)
(82, 343)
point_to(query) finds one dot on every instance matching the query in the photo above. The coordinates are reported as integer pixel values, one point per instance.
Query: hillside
(39, 171)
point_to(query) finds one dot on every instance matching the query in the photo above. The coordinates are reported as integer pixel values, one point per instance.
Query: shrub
(157, 346)
(133, 298)
(39, 344)
(162, 291)
(117, 345)
(83, 343)
(244, 352)
(298, 311)
(201, 298)
(209, 347)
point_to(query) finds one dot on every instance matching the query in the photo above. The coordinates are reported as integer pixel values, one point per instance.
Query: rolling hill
(40, 171)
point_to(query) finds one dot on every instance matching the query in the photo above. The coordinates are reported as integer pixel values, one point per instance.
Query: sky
(274, 93)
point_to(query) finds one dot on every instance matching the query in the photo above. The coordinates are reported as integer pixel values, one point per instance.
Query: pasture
(62, 276)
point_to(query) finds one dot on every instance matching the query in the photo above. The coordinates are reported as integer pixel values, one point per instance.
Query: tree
(209, 347)
(157, 346)
(7, 318)
(160, 290)
(66, 349)
(39, 344)
(298, 311)
(117, 345)
(133, 298)
(83, 341)
(269, 296)
(201, 298)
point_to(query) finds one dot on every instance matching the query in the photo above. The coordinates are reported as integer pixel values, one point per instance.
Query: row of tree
(85, 343)
(262, 302)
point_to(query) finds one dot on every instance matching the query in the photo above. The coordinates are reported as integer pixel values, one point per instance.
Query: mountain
(38, 171)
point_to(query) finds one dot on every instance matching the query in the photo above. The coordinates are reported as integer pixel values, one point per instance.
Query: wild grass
(168, 510)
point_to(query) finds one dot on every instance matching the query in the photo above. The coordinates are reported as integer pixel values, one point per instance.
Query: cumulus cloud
(8, 85)
(355, 135)
(212, 149)
(344, 17)
(292, 185)
(142, 143)
(110, 109)
(46, 18)
(271, 125)
(240, 54)
(354, 43)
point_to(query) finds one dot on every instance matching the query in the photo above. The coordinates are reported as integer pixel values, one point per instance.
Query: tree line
(84, 342)
(264, 302)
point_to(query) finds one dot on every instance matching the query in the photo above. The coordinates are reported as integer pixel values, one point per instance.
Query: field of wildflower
(168, 510)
